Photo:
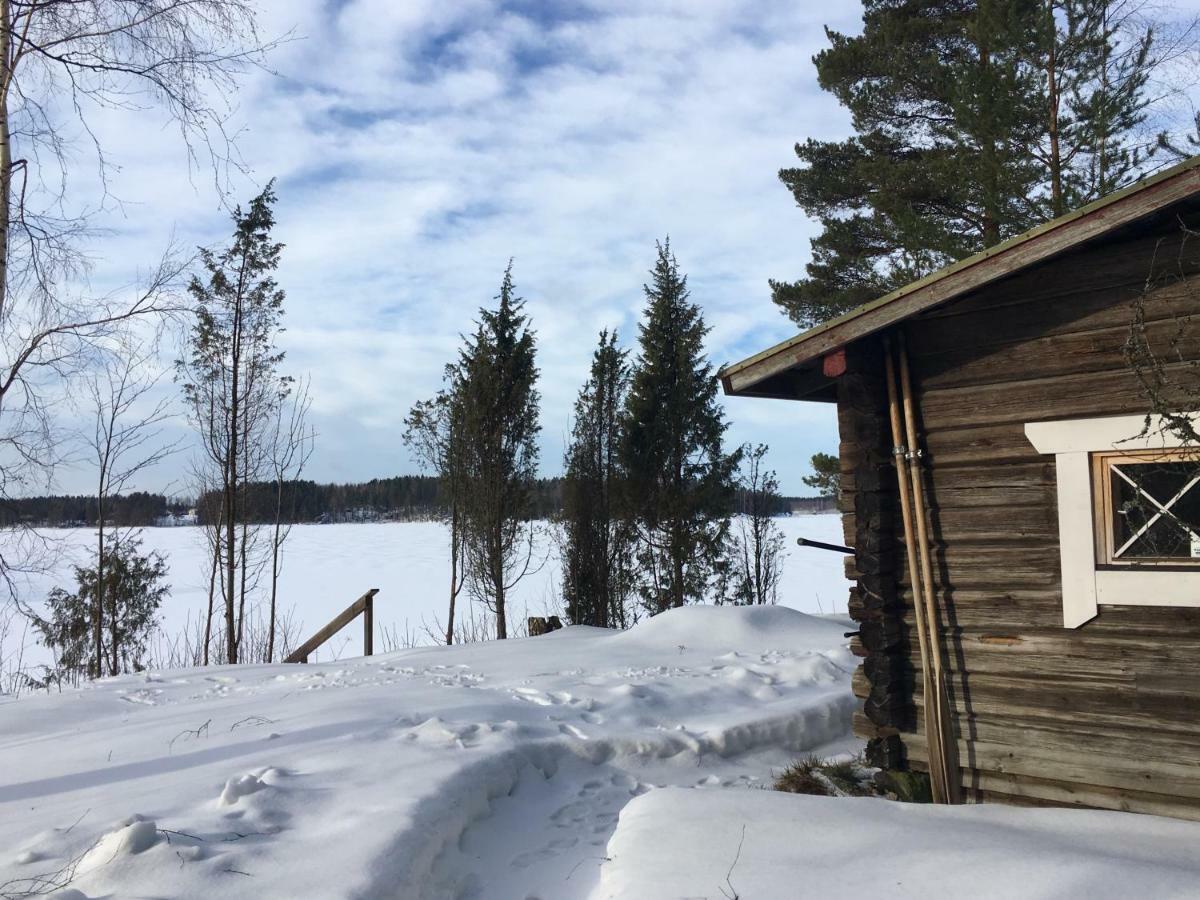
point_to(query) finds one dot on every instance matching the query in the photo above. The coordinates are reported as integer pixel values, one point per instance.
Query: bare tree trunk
(455, 538)
(275, 542)
(231, 486)
(98, 600)
(212, 584)
(243, 554)
(501, 618)
(6, 166)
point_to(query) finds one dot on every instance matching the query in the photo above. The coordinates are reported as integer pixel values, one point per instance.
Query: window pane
(1157, 534)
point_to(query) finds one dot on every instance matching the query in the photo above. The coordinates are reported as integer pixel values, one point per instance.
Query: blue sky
(419, 145)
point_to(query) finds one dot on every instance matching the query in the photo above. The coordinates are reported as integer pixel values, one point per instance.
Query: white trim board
(1102, 434)
(1084, 588)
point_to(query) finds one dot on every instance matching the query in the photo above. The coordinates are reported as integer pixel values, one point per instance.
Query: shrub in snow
(845, 778)
(128, 586)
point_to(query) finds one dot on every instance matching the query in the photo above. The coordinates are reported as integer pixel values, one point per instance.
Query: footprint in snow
(572, 731)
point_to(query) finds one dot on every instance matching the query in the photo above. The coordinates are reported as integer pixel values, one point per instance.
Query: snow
(763, 845)
(326, 567)
(491, 770)
(581, 765)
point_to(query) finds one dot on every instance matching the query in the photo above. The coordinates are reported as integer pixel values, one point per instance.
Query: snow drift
(770, 846)
(486, 770)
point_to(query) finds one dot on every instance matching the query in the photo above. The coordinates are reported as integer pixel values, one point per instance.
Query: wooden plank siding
(1106, 715)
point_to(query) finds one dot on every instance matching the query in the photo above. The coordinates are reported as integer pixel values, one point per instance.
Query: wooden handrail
(364, 605)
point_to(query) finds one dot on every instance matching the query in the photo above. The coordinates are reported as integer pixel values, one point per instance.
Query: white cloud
(420, 145)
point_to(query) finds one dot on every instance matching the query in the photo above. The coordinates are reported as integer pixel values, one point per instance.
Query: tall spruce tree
(597, 537)
(499, 429)
(678, 477)
(975, 120)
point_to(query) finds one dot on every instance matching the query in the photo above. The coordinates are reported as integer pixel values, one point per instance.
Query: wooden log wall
(1106, 715)
(869, 509)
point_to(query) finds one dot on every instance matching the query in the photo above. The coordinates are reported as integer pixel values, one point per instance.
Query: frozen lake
(326, 567)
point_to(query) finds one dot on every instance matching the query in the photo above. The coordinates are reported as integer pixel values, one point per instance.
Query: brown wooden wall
(1105, 715)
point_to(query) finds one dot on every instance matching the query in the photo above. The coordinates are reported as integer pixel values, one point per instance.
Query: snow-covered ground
(494, 770)
(762, 845)
(326, 567)
(580, 765)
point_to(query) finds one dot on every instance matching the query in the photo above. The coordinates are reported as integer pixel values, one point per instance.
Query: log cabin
(1025, 526)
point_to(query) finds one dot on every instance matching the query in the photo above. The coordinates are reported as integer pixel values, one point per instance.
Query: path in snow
(483, 771)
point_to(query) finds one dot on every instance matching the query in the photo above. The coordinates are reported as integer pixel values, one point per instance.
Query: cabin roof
(793, 370)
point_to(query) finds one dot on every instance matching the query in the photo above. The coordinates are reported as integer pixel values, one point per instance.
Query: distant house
(176, 519)
(800, 506)
(1060, 560)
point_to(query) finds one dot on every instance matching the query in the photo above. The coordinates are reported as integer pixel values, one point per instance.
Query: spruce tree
(975, 120)
(130, 585)
(679, 480)
(597, 538)
(499, 429)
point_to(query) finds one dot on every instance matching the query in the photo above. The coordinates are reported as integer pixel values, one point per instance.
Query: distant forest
(403, 498)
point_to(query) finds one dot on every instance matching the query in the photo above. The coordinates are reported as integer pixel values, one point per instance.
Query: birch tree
(64, 64)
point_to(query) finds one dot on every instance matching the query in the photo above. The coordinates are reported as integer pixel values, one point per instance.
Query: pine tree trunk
(990, 163)
(1056, 190)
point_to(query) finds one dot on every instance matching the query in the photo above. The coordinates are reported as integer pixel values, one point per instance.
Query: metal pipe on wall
(941, 698)
(933, 731)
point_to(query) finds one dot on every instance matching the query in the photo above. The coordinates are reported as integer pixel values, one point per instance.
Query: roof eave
(1034, 246)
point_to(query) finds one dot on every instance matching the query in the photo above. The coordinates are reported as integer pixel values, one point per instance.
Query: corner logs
(868, 503)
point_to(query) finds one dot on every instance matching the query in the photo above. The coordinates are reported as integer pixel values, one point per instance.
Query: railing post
(369, 626)
(364, 606)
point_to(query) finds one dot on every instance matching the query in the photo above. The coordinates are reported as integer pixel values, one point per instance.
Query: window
(1128, 513)
(1147, 508)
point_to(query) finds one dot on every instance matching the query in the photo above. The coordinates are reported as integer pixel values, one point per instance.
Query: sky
(417, 146)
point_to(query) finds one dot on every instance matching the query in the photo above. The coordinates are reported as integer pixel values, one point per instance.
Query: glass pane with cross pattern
(1157, 510)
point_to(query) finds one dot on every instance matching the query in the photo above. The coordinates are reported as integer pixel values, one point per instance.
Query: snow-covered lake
(326, 567)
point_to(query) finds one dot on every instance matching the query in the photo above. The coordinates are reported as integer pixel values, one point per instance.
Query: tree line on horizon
(404, 498)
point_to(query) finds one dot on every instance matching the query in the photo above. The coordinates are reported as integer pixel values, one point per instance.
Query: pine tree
(827, 474)
(1092, 62)
(597, 538)
(679, 479)
(500, 426)
(975, 120)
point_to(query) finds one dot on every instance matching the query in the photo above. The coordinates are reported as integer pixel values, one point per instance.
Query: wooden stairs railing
(364, 605)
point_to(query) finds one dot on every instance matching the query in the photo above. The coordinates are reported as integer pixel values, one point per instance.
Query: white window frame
(1084, 586)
